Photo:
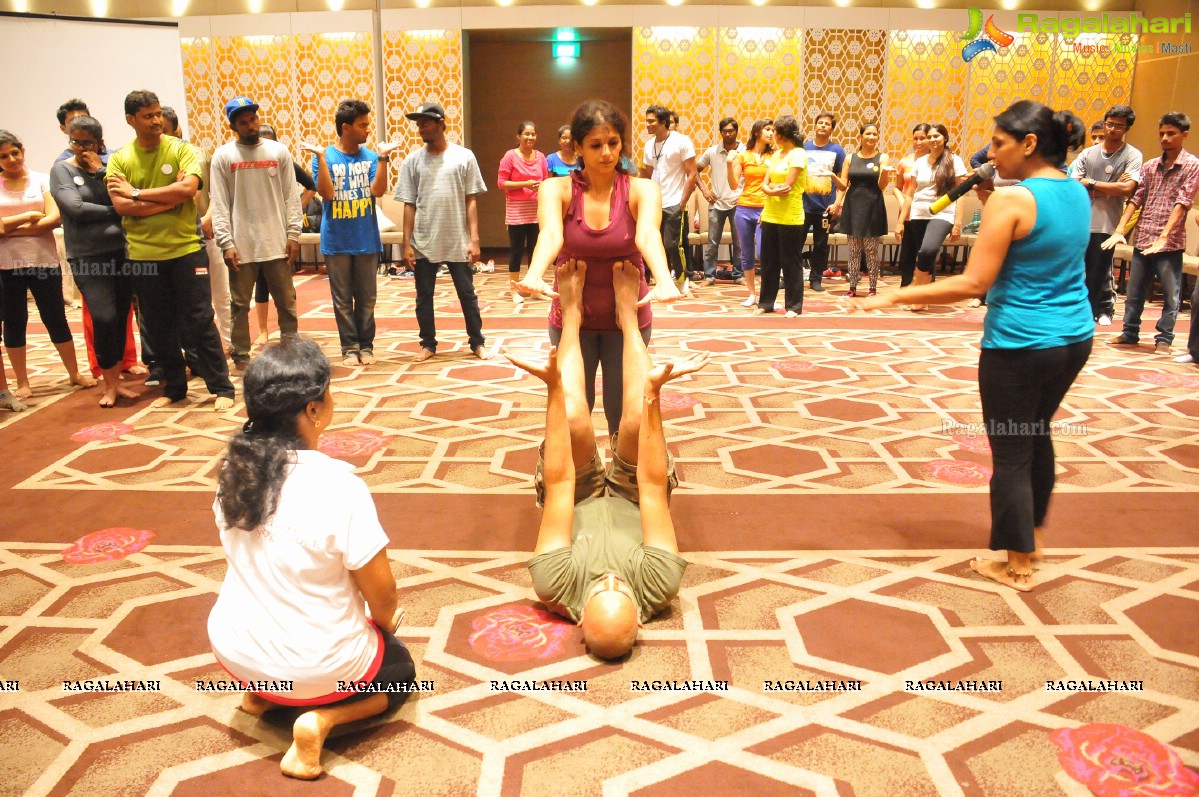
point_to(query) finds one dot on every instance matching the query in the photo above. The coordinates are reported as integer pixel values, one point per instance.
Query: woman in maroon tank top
(600, 215)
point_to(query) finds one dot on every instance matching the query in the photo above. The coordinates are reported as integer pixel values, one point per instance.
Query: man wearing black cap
(438, 185)
(256, 220)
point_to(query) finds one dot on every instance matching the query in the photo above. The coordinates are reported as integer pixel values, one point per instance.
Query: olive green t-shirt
(606, 538)
(172, 233)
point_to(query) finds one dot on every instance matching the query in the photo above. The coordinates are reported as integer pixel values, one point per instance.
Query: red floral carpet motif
(106, 545)
(963, 474)
(973, 442)
(347, 443)
(519, 633)
(1168, 380)
(101, 432)
(1117, 761)
(677, 401)
(794, 369)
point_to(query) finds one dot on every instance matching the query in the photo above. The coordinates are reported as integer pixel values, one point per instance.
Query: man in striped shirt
(439, 185)
(1165, 192)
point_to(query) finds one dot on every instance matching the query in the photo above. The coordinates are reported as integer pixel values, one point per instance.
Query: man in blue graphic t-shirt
(349, 177)
(825, 159)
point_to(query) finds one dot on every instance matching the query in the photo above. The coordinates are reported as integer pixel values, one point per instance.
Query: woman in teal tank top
(1029, 261)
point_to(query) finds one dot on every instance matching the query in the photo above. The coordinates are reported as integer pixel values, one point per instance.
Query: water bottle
(972, 227)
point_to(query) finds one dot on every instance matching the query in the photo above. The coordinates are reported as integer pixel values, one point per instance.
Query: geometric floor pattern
(825, 412)
(874, 625)
(850, 658)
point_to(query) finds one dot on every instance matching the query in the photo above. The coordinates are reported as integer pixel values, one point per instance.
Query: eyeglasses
(84, 144)
(1112, 126)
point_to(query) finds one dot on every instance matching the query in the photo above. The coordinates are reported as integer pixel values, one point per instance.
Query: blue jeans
(464, 286)
(1168, 268)
(716, 220)
(745, 233)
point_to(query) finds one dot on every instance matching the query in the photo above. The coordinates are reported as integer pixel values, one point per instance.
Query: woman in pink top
(522, 171)
(600, 215)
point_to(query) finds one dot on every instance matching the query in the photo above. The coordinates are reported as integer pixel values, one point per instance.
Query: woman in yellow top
(782, 219)
(750, 164)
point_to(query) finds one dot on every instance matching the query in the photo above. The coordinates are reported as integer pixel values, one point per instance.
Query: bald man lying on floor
(606, 554)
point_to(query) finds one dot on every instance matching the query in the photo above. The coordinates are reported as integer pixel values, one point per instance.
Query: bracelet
(384, 159)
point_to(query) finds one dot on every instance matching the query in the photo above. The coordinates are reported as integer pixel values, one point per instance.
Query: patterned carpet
(829, 638)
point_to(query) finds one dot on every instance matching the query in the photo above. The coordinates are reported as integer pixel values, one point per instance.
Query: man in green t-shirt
(153, 182)
(606, 554)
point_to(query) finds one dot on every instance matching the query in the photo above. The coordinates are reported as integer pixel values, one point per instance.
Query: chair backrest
(970, 206)
(698, 207)
(892, 203)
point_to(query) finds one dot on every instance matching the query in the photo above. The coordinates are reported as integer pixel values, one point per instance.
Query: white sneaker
(1184, 358)
(518, 299)
(1105, 320)
(749, 302)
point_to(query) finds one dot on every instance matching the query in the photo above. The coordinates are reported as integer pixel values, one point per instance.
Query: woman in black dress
(864, 219)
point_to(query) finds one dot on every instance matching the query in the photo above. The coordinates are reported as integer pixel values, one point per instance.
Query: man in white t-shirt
(439, 186)
(669, 160)
(722, 197)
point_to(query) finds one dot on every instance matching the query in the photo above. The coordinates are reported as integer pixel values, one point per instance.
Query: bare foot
(759, 311)
(1002, 574)
(571, 276)
(626, 280)
(261, 339)
(366, 358)
(162, 401)
(108, 400)
(128, 392)
(422, 355)
(222, 403)
(255, 705)
(481, 353)
(138, 370)
(23, 392)
(303, 759)
(83, 380)
(351, 360)
(10, 402)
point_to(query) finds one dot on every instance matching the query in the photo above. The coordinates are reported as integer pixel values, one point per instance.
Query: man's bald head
(610, 624)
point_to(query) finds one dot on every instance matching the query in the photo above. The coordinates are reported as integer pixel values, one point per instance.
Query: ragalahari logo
(979, 38)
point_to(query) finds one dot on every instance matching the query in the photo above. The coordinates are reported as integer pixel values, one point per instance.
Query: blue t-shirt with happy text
(821, 191)
(348, 222)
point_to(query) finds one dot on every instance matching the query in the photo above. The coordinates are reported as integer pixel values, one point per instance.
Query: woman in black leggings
(921, 233)
(29, 259)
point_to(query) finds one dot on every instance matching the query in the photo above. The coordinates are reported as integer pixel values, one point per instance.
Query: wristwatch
(135, 194)
(1090, 183)
(384, 159)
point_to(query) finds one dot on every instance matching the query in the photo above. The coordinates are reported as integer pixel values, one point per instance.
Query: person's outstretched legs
(635, 362)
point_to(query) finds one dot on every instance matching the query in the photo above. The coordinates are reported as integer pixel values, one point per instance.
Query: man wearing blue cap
(256, 220)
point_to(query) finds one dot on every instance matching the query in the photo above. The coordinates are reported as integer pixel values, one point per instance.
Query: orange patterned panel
(422, 66)
(204, 118)
(1021, 71)
(676, 67)
(926, 82)
(329, 68)
(845, 72)
(760, 73)
(1089, 81)
(258, 67)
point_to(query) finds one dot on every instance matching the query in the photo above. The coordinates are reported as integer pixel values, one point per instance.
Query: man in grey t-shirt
(606, 555)
(1106, 170)
(439, 185)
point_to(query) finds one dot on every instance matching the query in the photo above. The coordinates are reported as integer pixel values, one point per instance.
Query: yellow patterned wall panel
(329, 68)
(676, 67)
(418, 67)
(1089, 81)
(200, 92)
(845, 72)
(1021, 71)
(258, 67)
(926, 82)
(759, 73)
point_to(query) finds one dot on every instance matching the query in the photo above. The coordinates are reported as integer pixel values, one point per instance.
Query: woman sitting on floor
(307, 556)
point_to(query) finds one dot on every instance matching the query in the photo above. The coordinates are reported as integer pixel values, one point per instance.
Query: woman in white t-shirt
(922, 233)
(306, 557)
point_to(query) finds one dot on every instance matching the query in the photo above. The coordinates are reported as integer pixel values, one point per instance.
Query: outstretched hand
(665, 372)
(547, 372)
(533, 286)
(665, 292)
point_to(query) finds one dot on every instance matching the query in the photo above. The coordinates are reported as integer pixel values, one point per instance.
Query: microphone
(984, 173)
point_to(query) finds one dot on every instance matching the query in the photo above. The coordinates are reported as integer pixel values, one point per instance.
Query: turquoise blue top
(1039, 299)
(559, 168)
